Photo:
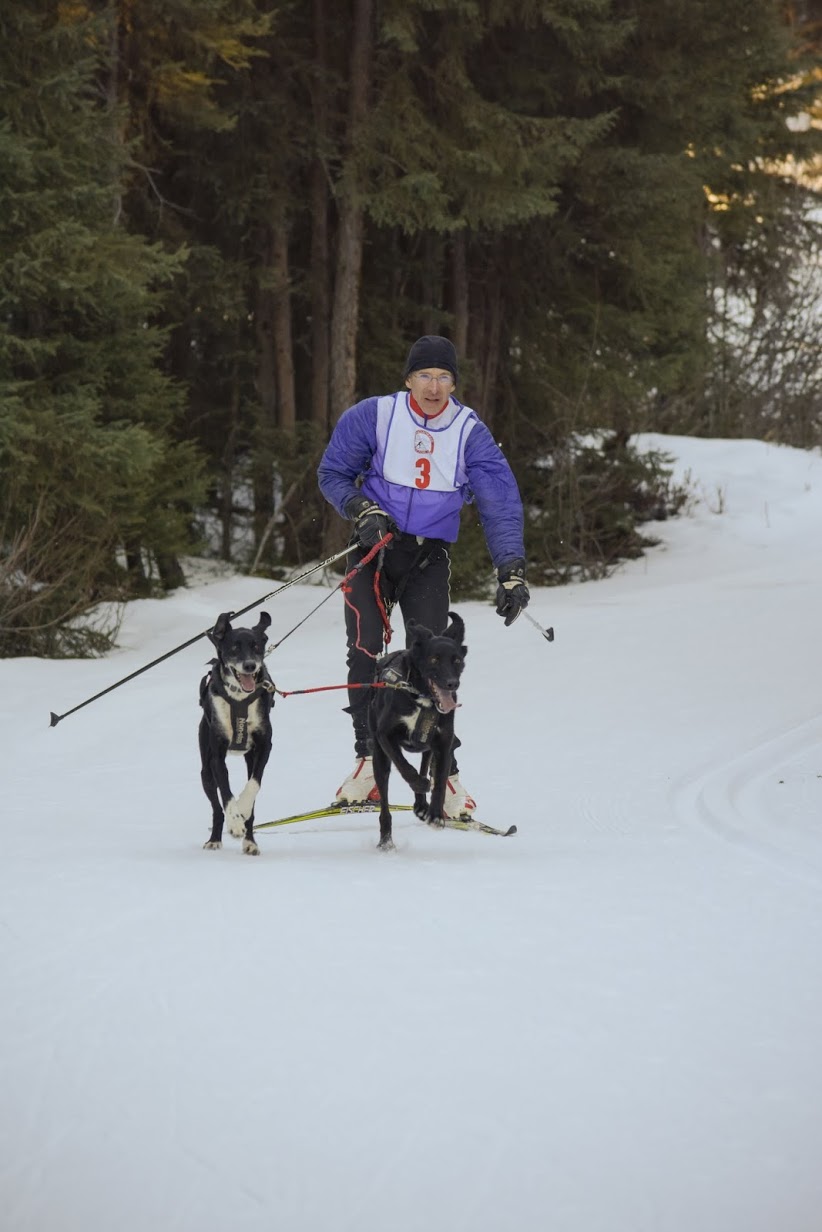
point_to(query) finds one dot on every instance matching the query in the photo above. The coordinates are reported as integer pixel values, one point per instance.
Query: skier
(406, 463)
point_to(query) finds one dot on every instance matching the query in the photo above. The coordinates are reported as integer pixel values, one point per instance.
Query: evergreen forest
(222, 222)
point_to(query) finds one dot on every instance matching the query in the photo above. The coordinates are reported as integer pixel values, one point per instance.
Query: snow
(608, 1023)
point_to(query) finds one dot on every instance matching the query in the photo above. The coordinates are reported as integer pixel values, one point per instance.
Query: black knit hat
(432, 351)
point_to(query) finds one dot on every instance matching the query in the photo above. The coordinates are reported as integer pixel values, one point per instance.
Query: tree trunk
(492, 355)
(431, 284)
(345, 311)
(228, 459)
(345, 308)
(320, 299)
(170, 571)
(262, 454)
(346, 302)
(320, 261)
(283, 345)
(138, 582)
(398, 279)
(264, 329)
(460, 296)
(476, 345)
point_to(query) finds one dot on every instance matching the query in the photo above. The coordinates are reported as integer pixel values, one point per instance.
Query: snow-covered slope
(608, 1023)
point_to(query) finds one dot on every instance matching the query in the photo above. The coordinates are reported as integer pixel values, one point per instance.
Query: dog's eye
(434, 660)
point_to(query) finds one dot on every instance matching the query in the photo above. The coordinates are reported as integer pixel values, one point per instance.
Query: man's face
(431, 388)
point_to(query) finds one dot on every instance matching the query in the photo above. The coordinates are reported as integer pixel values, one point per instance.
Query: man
(406, 463)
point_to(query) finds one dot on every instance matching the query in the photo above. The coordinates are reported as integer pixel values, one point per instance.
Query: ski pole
(56, 718)
(548, 633)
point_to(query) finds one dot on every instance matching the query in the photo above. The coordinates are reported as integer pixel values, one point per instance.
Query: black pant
(414, 576)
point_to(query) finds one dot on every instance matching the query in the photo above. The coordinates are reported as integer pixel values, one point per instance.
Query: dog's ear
(417, 634)
(221, 628)
(456, 630)
(263, 623)
(417, 639)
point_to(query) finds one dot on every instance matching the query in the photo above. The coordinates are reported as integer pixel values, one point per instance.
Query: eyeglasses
(426, 377)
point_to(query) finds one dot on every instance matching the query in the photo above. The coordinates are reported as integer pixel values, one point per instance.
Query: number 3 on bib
(423, 467)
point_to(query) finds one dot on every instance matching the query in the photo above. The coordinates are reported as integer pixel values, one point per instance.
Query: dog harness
(238, 709)
(425, 716)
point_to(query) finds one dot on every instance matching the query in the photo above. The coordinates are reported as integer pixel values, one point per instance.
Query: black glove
(370, 522)
(512, 593)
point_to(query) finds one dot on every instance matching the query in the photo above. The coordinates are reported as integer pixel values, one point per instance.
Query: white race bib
(426, 454)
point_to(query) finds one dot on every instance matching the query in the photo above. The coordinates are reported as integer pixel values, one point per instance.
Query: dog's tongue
(445, 699)
(248, 683)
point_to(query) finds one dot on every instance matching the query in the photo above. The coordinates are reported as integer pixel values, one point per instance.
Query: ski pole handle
(548, 633)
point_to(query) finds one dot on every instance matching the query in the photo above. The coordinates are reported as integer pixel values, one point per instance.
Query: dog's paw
(422, 809)
(386, 844)
(250, 848)
(212, 845)
(236, 818)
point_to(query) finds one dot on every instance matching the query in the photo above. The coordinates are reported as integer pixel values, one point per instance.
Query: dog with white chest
(236, 697)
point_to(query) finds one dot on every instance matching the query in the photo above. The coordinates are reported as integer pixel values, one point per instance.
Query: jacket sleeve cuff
(356, 505)
(511, 568)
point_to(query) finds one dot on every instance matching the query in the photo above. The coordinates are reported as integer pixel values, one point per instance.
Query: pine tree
(208, 100)
(766, 296)
(90, 475)
(621, 335)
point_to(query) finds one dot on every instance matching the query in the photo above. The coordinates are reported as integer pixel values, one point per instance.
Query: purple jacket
(481, 474)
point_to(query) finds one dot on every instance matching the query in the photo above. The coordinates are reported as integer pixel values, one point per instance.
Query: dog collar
(398, 680)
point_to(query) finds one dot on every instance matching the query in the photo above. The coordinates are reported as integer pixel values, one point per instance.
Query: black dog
(236, 697)
(416, 713)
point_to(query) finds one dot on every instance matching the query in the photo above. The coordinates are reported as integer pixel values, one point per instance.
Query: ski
(334, 810)
(459, 823)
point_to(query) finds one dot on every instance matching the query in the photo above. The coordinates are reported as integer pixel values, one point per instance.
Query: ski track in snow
(733, 798)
